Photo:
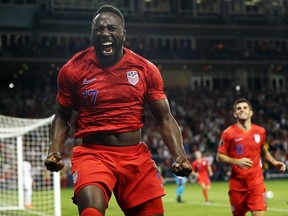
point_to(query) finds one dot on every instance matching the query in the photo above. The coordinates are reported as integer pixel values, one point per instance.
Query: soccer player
(28, 182)
(108, 86)
(180, 182)
(242, 146)
(202, 171)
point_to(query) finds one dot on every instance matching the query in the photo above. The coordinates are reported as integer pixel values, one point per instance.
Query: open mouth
(107, 48)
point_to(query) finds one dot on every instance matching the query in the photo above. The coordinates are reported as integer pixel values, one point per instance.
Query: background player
(242, 146)
(108, 86)
(202, 171)
(180, 182)
(28, 183)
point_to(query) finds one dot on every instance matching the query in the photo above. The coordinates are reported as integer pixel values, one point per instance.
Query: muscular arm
(59, 130)
(241, 162)
(58, 134)
(277, 164)
(168, 127)
(171, 134)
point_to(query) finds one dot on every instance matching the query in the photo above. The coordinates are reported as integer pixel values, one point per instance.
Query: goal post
(23, 148)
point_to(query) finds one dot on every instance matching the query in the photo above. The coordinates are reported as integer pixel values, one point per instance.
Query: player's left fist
(182, 166)
(54, 162)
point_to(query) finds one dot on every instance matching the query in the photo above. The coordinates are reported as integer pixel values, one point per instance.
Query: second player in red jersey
(242, 146)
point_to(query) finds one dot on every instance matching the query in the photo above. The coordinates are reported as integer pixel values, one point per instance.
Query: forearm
(241, 162)
(172, 137)
(58, 134)
(210, 170)
(225, 159)
(267, 156)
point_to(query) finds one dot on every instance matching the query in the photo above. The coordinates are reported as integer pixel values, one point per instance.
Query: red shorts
(244, 201)
(127, 171)
(205, 181)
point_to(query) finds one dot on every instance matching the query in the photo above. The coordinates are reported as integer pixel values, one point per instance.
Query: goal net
(26, 187)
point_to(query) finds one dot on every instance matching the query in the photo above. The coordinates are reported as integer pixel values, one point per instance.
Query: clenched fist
(182, 166)
(54, 162)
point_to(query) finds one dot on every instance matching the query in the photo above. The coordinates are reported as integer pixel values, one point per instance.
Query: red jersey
(108, 99)
(201, 167)
(237, 143)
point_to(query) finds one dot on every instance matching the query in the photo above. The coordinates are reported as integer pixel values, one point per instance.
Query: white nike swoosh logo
(238, 139)
(85, 82)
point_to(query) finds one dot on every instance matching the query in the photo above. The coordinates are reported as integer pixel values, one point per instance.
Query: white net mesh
(26, 188)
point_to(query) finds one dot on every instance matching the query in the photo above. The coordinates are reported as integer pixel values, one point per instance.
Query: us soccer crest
(75, 177)
(132, 77)
(257, 138)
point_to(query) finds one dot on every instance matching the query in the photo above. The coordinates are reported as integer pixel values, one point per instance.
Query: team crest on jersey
(132, 77)
(75, 177)
(257, 138)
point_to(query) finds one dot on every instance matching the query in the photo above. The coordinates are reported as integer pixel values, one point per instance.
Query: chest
(97, 86)
(248, 143)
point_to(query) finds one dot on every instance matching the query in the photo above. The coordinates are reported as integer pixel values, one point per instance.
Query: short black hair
(112, 9)
(242, 100)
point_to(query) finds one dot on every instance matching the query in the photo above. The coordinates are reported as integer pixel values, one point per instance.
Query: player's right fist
(54, 162)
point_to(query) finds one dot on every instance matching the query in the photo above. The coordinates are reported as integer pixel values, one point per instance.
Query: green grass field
(194, 203)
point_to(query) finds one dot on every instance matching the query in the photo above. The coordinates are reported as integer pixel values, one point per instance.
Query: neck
(110, 60)
(244, 124)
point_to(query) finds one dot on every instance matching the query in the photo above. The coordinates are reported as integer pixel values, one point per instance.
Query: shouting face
(108, 36)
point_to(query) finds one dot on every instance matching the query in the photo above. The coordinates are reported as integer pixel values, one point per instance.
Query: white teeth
(108, 52)
(107, 43)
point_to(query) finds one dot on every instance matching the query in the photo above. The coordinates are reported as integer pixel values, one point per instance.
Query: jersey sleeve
(65, 87)
(154, 84)
(224, 143)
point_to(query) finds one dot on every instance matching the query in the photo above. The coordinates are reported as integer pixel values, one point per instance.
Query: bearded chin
(109, 60)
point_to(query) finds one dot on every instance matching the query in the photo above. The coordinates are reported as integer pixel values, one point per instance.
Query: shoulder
(229, 130)
(258, 129)
(204, 160)
(81, 57)
(229, 133)
(140, 60)
(77, 62)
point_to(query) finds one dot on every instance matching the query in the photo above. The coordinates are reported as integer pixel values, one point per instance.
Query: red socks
(205, 194)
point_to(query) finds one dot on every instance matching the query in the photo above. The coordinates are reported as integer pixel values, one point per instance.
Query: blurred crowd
(201, 114)
(57, 46)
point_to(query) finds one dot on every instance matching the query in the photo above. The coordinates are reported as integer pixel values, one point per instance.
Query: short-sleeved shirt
(108, 99)
(237, 143)
(201, 167)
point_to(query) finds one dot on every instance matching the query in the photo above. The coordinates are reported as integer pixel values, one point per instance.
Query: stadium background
(210, 52)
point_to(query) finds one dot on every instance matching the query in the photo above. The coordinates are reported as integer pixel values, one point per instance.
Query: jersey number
(90, 96)
(239, 149)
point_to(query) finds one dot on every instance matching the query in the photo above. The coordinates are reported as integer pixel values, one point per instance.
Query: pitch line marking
(221, 205)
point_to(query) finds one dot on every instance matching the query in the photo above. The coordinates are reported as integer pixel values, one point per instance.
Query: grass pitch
(193, 204)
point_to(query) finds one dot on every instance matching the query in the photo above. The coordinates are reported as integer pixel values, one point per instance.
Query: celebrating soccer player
(108, 86)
